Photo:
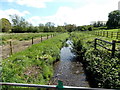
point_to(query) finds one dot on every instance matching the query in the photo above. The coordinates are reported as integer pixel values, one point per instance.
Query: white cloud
(35, 20)
(79, 16)
(25, 13)
(6, 13)
(31, 3)
(14, 11)
(10, 0)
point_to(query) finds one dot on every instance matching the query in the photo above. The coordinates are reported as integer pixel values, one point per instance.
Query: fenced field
(13, 43)
(6, 37)
(108, 34)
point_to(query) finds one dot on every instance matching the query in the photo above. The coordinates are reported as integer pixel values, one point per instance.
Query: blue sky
(79, 12)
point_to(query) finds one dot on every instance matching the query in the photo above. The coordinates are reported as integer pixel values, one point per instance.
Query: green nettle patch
(104, 70)
(35, 64)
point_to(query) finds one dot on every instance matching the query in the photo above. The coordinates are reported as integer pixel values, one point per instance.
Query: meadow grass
(35, 64)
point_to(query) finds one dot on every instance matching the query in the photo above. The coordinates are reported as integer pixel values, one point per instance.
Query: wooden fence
(113, 43)
(10, 49)
(108, 34)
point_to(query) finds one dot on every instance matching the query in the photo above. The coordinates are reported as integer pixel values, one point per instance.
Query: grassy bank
(100, 67)
(35, 64)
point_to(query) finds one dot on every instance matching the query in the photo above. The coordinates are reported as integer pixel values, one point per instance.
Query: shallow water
(69, 70)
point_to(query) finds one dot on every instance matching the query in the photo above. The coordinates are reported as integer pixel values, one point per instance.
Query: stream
(68, 69)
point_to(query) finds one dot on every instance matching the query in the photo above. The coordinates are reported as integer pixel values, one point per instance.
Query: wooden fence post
(107, 33)
(103, 33)
(47, 36)
(32, 40)
(41, 38)
(95, 44)
(113, 48)
(117, 35)
(111, 34)
(11, 51)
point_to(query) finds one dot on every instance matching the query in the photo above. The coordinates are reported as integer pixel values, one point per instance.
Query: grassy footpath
(35, 64)
(104, 70)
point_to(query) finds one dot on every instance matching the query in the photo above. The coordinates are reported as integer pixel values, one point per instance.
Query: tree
(6, 25)
(49, 27)
(84, 28)
(90, 28)
(19, 23)
(70, 27)
(114, 19)
(99, 24)
(49, 24)
(41, 27)
(30, 28)
(60, 29)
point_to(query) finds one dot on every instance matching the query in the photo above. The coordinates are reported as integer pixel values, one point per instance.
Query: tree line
(20, 25)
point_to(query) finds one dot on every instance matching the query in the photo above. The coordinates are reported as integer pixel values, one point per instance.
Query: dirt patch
(31, 72)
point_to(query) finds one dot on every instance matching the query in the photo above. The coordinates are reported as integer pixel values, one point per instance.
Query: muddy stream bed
(69, 70)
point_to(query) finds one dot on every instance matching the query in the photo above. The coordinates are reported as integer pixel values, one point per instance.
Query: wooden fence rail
(108, 34)
(113, 43)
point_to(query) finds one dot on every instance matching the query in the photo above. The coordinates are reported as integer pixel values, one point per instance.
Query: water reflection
(68, 69)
